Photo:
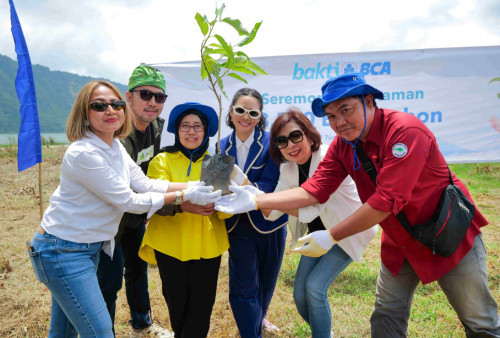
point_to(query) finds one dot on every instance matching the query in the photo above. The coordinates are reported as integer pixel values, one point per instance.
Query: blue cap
(342, 86)
(209, 112)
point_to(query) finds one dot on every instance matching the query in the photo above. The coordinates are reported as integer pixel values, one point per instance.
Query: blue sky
(108, 38)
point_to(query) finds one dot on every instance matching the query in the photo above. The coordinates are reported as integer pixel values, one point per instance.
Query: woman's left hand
(201, 195)
(315, 244)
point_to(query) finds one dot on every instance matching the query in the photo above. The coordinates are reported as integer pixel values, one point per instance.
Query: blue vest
(262, 172)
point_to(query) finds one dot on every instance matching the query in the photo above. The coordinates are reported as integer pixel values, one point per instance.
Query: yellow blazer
(184, 236)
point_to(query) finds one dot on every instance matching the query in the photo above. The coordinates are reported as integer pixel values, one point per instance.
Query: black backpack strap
(367, 164)
(449, 172)
(369, 168)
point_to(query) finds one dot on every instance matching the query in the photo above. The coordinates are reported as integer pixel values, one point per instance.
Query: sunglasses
(146, 95)
(295, 136)
(253, 113)
(100, 106)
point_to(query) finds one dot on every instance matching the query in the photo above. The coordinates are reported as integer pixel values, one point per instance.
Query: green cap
(146, 76)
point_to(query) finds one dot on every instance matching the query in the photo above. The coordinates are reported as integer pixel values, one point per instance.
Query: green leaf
(215, 45)
(218, 11)
(243, 69)
(202, 22)
(203, 72)
(240, 53)
(214, 51)
(220, 83)
(240, 60)
(236, 76)
(251, 36)
(208, 62)
(227, 48)
(494, 80)
(253, 66)
(236, 24)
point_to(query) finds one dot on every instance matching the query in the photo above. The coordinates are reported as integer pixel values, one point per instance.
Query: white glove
(315, 244)
(195, 184)
(243, 200)
(201, 195)
(238, 176)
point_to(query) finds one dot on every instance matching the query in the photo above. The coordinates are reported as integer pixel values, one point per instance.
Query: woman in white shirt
(296, 144)
(98, 183)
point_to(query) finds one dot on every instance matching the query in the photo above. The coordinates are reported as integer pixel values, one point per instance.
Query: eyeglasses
(253, 113)
(186, 127)
(295, 136)
(100, 106)
(146, 95)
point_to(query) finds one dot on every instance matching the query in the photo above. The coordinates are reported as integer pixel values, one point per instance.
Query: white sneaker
(154, 330)
(268, 327)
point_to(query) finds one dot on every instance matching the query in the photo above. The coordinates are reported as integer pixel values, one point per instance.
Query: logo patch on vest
(399, 150)
(145, 155)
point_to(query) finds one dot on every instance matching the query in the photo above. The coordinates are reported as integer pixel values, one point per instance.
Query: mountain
(55, 92)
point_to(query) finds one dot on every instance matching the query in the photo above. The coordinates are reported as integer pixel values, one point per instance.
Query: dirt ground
(26, 302)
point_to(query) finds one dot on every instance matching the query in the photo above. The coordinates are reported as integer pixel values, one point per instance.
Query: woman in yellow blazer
(187, 247)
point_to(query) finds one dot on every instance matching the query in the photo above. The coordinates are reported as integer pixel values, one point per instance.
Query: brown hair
(293, 114)
(77, 123)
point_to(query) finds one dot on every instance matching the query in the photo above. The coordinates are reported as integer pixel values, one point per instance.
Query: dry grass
(26, 302)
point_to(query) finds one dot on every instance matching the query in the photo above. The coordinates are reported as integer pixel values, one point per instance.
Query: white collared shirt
(341, 204)
(242, 149)
(96, 187)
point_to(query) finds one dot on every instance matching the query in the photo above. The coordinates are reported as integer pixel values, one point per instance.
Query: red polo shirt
(412, 174)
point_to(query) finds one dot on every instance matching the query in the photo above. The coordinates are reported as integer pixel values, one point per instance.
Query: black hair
(252, 93)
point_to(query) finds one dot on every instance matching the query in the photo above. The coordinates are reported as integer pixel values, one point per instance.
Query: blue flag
(29, 151)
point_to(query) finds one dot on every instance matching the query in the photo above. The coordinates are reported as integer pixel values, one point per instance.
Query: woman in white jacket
(296, 144)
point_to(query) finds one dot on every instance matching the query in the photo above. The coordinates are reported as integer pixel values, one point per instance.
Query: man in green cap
(145, 97)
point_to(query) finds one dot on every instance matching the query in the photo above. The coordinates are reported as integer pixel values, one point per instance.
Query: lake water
(6, 139)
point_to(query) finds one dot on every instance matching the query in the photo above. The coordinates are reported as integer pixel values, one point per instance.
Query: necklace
(303, 173)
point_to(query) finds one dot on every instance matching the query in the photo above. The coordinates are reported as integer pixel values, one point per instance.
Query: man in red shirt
(412, 173)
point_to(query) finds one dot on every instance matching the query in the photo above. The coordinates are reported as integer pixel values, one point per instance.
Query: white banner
(454, 91)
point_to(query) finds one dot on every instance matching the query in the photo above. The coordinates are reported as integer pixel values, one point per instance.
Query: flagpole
(40, 189)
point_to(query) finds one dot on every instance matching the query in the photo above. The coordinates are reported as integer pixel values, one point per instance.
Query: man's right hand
(242, 200)
(204, 210)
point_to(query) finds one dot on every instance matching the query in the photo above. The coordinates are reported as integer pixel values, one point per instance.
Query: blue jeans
(68, 269)
(254, 264)
(314, 276)
(465, 286)
(110, 276)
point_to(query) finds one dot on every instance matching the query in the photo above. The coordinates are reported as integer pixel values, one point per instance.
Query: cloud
(108, 38)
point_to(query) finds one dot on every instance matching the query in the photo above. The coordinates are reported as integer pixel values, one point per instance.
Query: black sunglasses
(295, 136)
(146, 95)
(100, 106)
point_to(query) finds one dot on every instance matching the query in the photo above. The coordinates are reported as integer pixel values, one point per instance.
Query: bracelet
(333, 239)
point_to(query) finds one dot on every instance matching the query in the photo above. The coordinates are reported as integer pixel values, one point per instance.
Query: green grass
(478, 177)
(352, 294)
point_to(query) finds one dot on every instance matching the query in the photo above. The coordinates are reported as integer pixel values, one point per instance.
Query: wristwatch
(178, 197)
